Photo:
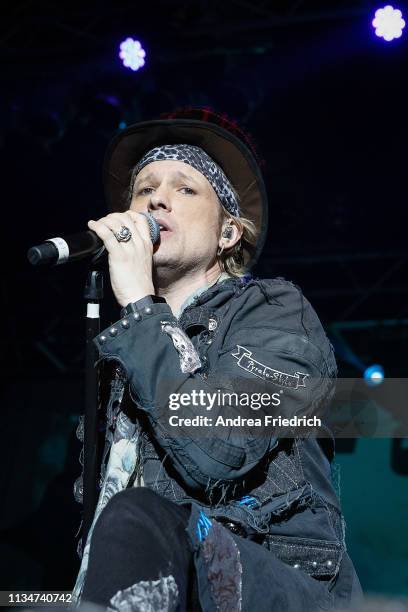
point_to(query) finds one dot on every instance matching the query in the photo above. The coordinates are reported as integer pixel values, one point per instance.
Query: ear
(230, 235)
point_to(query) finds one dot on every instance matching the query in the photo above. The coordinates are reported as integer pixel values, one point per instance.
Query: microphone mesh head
(154, 227)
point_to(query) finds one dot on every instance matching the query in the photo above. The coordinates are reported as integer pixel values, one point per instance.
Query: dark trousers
(140, 536)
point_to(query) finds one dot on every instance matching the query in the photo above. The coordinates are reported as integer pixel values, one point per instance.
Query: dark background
(326, 102)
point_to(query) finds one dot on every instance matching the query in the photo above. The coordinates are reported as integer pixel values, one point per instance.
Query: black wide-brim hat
(228, 150)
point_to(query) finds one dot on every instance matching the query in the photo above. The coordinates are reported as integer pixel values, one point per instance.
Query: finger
(108, 226)
(137, 224)
(102, 229)
(115, 221)
(141, 223)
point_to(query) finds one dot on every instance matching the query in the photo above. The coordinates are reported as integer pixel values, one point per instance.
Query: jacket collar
(222, 277)
(202, 305)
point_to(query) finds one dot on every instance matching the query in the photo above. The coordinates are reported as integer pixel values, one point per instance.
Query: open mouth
(163, 225)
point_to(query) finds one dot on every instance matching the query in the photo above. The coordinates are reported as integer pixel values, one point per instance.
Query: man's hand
(130, 263)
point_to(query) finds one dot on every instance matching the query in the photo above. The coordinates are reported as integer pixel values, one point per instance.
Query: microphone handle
(56, 251)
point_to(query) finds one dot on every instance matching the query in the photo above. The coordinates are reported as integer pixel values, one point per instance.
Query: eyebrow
(177, 174)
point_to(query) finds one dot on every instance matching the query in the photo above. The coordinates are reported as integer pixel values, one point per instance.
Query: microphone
(60, 250)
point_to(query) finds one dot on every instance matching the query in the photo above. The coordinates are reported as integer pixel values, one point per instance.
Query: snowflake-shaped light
(388, 23)
(132, 54)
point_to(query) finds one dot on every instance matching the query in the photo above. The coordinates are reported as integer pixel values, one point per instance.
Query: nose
(159, 200)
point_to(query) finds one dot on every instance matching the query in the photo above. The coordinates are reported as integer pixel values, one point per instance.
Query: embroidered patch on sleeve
(282, 379)
(189, 358)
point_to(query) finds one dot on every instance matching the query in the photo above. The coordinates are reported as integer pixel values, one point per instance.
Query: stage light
(122, 125)
(132, 54)
(374, 375)
(388, 23)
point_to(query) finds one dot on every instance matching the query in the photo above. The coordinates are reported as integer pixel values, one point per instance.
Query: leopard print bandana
(201, 161)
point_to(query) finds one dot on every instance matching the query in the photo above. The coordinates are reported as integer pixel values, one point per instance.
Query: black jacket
(265, 484)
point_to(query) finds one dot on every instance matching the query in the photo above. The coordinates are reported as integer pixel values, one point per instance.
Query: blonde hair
(232, 260)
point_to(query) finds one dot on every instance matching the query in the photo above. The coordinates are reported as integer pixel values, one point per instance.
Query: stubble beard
(169, 270)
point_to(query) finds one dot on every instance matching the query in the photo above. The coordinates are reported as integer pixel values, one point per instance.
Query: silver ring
(123, 235)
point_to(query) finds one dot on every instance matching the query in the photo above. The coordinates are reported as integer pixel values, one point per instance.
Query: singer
(231, 518)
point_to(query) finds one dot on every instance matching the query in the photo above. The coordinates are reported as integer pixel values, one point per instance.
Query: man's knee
(135, 496)
(130, 505)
